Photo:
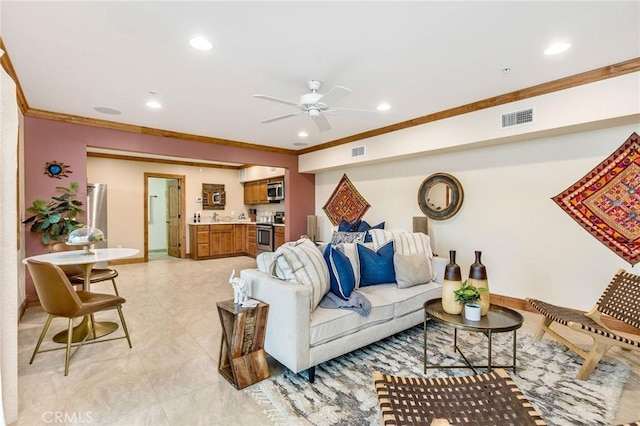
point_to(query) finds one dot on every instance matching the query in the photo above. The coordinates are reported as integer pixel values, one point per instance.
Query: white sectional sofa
(301, 336)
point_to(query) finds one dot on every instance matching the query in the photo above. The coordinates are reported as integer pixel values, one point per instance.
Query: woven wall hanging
(345, 203)
(606, 202)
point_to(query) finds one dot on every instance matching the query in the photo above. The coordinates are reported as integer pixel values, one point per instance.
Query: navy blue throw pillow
(376, 267)
(345, 226)
(365, 227)
(341, 277)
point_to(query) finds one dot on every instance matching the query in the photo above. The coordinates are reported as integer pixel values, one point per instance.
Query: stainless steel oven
(264, 237)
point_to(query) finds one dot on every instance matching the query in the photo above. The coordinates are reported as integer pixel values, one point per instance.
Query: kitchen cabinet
(252, 248)
(240, 242)
(211, 241)
(220, 240)
(278, 236)
(256, 192)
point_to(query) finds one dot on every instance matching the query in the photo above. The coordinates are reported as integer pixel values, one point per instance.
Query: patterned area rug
(343, 392)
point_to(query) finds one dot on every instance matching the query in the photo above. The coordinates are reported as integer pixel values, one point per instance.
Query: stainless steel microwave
(275, 191)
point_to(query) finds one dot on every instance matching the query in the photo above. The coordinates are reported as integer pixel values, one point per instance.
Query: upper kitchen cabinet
(257, 192)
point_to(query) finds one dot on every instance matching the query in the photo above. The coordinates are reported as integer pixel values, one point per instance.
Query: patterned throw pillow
(302, 262)
(341, 278)
(376, 266)
(406, 243)
(339, 237)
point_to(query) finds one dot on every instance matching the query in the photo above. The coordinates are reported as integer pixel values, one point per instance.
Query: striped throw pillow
(302, 262)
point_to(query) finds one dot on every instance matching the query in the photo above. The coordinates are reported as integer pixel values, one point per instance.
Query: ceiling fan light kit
(316, 105)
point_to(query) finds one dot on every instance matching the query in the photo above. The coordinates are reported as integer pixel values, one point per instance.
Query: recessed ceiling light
(201, 43)
(107, 110)
(556, 48)
(300, 144)
(153, 104)
(383, 107)
(303, 134)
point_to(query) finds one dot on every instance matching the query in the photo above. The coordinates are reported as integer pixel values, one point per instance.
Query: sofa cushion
(341, 278)
(412, 269)
(376, 266)
(405, 242)
(405, 301)
(330, 324)
(302, 262)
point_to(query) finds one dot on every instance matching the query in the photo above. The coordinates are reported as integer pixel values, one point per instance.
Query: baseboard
(22, 309)
(523, 305)
(127, 261)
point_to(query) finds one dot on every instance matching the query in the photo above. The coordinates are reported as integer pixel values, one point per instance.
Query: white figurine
(239, 289)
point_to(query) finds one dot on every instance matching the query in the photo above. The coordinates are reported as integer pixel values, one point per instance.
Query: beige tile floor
(170, 376)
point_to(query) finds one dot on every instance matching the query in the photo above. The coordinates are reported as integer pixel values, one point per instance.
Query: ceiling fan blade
(359, 112)
(321, 122)
(272, 99)
(280, 117)
(335, 95)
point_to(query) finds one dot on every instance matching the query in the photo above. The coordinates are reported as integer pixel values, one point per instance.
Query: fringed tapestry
(345, 203)
(606, 201)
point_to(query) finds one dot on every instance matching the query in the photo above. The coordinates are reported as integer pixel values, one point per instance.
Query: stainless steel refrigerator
(97, 212)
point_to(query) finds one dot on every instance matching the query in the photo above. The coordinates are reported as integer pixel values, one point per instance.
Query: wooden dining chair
(76, 274)
(59, 299)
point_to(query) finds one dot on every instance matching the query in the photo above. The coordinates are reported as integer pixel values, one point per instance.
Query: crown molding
(610, 71)
(161, 160)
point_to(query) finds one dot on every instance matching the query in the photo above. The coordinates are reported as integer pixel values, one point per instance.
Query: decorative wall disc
(56, 169)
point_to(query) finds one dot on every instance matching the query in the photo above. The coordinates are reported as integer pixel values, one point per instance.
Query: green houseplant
(468, 295)
(57, 218)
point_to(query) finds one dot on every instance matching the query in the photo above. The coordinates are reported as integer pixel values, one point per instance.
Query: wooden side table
(242, 359)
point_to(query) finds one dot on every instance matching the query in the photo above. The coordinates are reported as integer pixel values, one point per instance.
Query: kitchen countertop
(234, 222)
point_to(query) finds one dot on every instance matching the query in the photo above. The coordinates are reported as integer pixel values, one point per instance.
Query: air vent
(272, 170)
(358, 151)
(517, 118)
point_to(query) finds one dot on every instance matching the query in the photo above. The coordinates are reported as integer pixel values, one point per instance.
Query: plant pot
(472, 312)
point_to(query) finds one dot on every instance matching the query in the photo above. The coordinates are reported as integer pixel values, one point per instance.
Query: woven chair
(485, 399)
(620, 300)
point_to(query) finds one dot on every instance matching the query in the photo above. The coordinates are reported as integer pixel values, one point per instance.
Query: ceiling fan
(316, 105)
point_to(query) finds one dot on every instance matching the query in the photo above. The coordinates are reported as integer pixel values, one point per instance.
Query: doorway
(164, 207)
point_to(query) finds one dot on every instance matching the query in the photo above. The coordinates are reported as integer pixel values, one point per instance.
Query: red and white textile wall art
(606, 202)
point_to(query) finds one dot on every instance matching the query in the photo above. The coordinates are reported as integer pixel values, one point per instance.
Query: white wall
(530, 246)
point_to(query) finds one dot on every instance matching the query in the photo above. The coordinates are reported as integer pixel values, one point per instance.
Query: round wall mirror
(440, 196)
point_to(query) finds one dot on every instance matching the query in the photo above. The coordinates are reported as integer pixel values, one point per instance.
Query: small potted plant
(468, 295)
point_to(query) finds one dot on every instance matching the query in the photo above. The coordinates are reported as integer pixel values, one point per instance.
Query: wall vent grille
(358, 151)
(272, 169)
(517, 118)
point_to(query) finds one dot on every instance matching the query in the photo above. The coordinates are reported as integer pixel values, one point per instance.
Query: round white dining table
(86, 259)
